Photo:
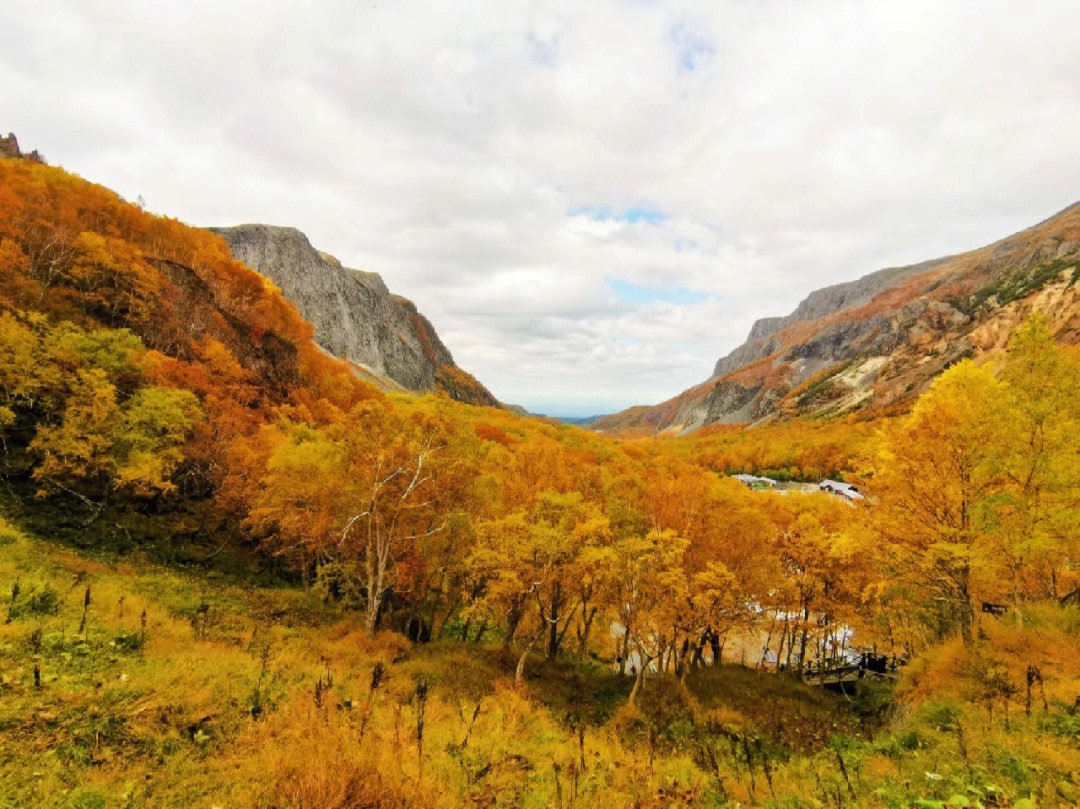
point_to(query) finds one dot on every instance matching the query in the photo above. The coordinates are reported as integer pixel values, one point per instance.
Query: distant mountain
(355, 316)
(878, 341)
(580, 421)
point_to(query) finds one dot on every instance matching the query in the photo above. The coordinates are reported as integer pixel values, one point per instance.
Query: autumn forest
(237, 573)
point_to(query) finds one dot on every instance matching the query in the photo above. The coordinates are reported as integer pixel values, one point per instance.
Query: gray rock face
(354, 314)
(9, 148)
(879, 341)
(729, 403)
(818, 303)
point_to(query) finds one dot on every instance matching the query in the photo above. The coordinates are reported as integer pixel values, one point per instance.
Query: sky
(591, 202)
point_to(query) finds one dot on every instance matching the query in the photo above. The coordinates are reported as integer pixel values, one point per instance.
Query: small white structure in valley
(755, 482)
(845, 490)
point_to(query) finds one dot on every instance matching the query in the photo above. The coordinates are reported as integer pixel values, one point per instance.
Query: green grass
(1021, 283)
(199, 707)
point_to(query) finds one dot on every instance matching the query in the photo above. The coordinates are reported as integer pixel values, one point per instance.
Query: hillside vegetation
(174, 688)
(874, 344)
(236, 574)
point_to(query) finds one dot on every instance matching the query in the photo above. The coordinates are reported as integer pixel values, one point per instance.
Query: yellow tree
(933, 473)
(650, 590)
(548, 556)
(1037, 511)
(822, 567)
(76, 452)
(364, 491)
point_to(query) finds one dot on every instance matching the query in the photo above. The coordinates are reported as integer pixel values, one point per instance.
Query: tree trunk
(644, 661)
(553, 622)
(805, 637)
(566, 628)
(519, 672)
(583, 633)
(438, 633)
(785, 637)
(376, 587)
(717, 648)
(699, 650)
(625, 648)
(513, 618)
(412, 614)
(768, 643)
(791, 643)
(967, 612)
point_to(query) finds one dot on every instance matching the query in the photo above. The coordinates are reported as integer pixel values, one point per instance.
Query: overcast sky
(591, 202)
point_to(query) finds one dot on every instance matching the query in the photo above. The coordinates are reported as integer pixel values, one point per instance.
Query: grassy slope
(218, 708)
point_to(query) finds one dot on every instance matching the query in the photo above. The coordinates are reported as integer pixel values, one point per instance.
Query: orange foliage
(490, 432)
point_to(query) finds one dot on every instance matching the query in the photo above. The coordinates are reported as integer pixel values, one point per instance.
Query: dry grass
(264, 699)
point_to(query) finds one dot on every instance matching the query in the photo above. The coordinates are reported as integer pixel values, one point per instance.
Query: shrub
(663, 714)
(87, 799)
(36, 599)
(1061, 724)
(128, 642)
(901, 743)
(9, 535)
(873, 699)
(1015, 770)
(942, 715)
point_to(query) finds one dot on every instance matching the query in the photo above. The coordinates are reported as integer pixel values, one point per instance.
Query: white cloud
(455, 150)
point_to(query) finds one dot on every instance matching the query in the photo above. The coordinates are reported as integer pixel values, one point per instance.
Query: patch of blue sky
(691, 48)
(640, 214)
(637, 293)
(631, 215)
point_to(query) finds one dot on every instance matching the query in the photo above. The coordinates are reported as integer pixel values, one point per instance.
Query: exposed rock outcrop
(354, 314)
(9, 148)
(817, 304)
(879, 340)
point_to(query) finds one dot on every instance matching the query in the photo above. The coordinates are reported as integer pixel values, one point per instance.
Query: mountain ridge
(356, 316)
(878, 340)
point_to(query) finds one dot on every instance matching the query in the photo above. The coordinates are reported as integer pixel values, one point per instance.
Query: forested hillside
(236, 574)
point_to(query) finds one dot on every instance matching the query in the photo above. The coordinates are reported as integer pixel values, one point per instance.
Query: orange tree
(364, 492)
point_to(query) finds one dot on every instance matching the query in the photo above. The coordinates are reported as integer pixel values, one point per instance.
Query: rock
(355, 316)
(9, 148)
(913, 321)
(820, 303)
(1067, 248)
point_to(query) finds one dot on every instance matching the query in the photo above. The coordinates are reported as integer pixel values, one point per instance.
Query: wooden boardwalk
(834, 673)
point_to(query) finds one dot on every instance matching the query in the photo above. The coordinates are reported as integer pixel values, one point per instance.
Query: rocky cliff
(354, 314)
(9, 148)
(878, 341)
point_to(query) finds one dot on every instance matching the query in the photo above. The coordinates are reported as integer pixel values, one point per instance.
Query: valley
(263, 544)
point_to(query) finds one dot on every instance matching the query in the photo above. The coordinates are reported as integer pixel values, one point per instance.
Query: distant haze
(591, 203)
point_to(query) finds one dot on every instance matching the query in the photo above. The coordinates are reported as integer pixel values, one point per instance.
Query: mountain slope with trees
(236, 573)
(879, 341)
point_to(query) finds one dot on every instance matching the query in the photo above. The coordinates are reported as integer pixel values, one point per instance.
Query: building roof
(751, 480)
(845, 489)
